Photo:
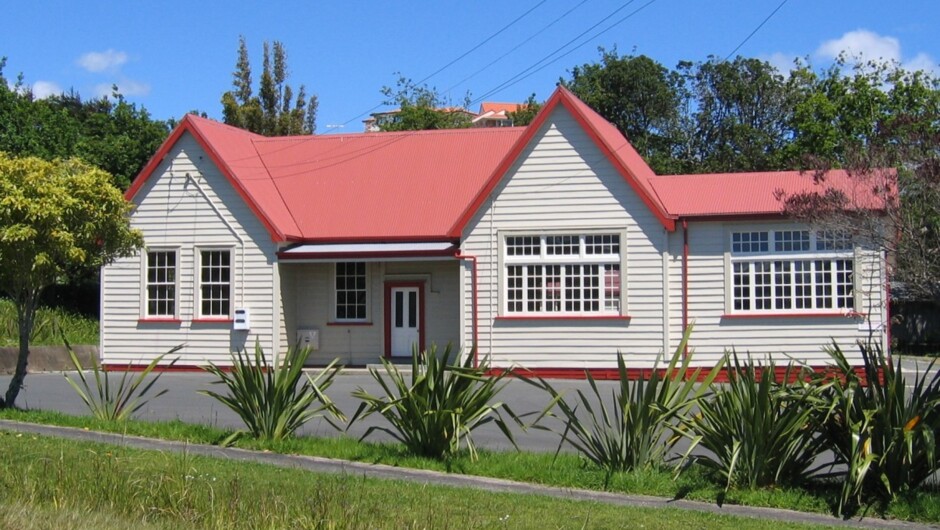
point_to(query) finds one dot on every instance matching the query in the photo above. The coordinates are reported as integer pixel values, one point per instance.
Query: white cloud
(44, 89)
(863, 45)
(924, 62)
(127, 87)
(109, 60)
(781, 61)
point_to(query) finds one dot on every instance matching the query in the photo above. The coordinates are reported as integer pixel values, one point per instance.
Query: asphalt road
(50, 391)
(183, 401)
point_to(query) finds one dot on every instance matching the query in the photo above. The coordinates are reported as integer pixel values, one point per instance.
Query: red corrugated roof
(376, 187)
(727, 194)
(425, 186)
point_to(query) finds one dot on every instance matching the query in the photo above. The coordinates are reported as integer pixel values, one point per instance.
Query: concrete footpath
(327, 465)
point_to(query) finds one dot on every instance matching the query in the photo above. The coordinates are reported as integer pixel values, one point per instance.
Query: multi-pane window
(215, 283)
(351, 293)
(161, 283)
(792, 270)
(562, 274)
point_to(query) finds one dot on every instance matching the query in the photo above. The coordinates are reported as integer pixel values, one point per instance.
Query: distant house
(550, 247)
(376, 120)
(495, 114)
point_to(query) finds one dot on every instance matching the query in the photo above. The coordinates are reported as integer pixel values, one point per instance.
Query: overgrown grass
(568, 470)
(83, 485)
(78, 329)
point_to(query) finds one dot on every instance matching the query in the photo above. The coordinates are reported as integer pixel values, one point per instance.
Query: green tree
(421, 107)
(639, 96)
(525, 113)
(878, 116)
(274, 111)
(56, 218)
(739, 116)
(110, 133)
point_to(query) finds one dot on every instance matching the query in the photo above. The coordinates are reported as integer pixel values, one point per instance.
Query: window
(215, 283)
(351, 291)
(161, 283)
(791, 270)
(562, 274)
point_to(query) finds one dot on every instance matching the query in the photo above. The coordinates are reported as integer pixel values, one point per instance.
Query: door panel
(405, 318)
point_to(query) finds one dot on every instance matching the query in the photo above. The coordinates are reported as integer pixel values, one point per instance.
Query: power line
(516, 47)
(451, 63)
(549, 59)
(759, 26)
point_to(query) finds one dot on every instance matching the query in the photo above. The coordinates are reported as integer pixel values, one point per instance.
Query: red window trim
(158, 320)
(751, 316)
(212, 320)
(564, 317)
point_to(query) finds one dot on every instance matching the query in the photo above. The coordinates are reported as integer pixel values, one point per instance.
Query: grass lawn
(55, 483)
(567, 471)
(78, 329)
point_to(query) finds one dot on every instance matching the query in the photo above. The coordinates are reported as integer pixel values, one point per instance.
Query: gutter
(685, 278)
(474, 305)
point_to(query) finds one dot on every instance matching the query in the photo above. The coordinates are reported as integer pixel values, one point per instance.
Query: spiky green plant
(435, 410)
(631, 430)
(881, 430)
(272, 401)
(758, 431)
(115, 401)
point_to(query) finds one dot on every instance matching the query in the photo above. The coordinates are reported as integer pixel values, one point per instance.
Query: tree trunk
(25, 316)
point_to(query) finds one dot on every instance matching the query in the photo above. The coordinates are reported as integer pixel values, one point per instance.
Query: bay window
(792, 271)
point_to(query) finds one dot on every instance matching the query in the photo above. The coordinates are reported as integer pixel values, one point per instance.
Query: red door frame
(389, 285)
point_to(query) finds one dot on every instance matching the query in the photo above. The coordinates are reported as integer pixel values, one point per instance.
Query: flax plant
(633, 428)
(435, 410)
(882, 430)
(272, 401)
(115, 401)
(759, 431)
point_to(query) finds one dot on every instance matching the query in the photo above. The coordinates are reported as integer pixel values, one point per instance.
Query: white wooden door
(404, 320)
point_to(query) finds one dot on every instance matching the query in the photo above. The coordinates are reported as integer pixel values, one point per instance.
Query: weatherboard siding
(782, 338)
(309, 301)
(563, 182)
(172, 212)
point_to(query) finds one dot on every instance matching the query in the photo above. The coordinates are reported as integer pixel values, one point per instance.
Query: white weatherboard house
(550, 247)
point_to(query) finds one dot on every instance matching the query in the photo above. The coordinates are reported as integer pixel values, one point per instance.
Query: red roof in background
(492, 106)
(725, 194)
(426, 185)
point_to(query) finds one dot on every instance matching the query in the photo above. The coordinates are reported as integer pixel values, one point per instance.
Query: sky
(177, 56)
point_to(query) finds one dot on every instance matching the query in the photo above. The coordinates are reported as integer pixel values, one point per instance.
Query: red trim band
(612, 374)
(159, 321)
(212, 320)
(446, 253)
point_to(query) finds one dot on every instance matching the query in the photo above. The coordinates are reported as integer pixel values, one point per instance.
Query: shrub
(435, 411)
(633, 431)
(119, 402)
(50, 324)
(272, 401)
(758, 431)
(881, 430)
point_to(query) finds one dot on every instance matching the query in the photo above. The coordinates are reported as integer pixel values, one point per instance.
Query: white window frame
(797, 271)
(199, 283)
(515, 300)
(367, 289)
(145, 283)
